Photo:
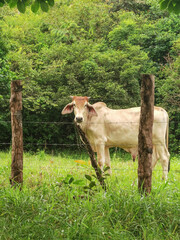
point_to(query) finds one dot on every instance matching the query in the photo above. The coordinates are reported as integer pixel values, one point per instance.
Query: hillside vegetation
(84, 47)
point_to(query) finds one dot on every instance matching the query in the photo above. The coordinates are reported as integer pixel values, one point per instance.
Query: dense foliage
(95, 48)
(6, 76)
(170, 5)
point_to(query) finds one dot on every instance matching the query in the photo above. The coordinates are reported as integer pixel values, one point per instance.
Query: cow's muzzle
(79, 119)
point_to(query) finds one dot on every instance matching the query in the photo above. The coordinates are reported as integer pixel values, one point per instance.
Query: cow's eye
(74, 104)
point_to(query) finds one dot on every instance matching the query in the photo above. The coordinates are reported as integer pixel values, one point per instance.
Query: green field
(50, 206)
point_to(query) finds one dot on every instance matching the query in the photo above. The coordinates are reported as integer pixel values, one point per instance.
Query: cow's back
(121, 127)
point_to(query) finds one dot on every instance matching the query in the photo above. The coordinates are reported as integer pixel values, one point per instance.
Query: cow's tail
(167, 139)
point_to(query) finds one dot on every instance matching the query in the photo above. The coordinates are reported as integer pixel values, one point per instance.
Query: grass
(48, 209)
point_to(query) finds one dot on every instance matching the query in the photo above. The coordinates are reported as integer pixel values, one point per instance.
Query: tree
(171, 5)
(82, 48)
(22, 4)
(168, 91)
(6, 75)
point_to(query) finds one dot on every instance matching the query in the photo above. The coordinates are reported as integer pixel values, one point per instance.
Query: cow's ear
(67, 109)
(91, 110)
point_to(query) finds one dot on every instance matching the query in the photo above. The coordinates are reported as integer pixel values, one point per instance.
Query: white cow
(106, 128)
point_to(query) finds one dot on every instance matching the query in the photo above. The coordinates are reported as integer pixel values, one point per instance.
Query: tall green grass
(48, 209)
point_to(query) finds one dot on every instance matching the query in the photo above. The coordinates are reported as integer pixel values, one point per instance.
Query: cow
(106, 128)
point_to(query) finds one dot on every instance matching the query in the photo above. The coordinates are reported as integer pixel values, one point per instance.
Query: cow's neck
(83, 126)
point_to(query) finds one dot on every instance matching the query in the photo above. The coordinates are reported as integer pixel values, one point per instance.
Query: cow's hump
(99, 105)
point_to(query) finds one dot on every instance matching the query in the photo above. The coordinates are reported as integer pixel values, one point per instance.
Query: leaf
(51, 3)
(107, 168)
(2, 3)
(94, 176)
(170, 7)
(21, 6)
(107, 175)
(101, 179)
(99, 170)
(164, 4)
(44, 6)
(177, 7)
(92, 184)
(88, 177)
(35, 6)
(12, 3)
(68, 176)
(71, 180)
(78, 182)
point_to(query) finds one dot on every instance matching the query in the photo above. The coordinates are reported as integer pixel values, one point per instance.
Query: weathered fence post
(145, 147)
(17, 134)
(92, 157)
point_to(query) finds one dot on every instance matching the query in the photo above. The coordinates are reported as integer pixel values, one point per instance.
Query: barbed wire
(76, 144)
(67, 99)
(79, 165)
(72, 123)
(63, 100)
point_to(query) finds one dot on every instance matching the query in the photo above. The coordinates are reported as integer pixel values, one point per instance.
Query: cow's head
(82, 109)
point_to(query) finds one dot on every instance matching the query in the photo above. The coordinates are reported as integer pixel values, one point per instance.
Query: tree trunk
(145, 147)
(17, 134)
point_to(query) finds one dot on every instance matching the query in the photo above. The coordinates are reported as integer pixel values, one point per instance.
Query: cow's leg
(101, 155)
(108, 160)
(154, 158)
(163, 154)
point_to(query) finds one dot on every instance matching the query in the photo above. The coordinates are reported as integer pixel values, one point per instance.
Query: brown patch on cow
(80, 101)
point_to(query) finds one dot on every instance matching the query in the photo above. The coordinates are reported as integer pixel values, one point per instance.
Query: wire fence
(130, 123)
(72, 123)
(77, 145)
(96, 123)
(87, 165)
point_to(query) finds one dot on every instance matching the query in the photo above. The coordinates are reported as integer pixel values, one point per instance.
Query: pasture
(55, 202)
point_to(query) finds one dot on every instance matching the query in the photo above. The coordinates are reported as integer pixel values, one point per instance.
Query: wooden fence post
(145, 147)
(17, 134)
